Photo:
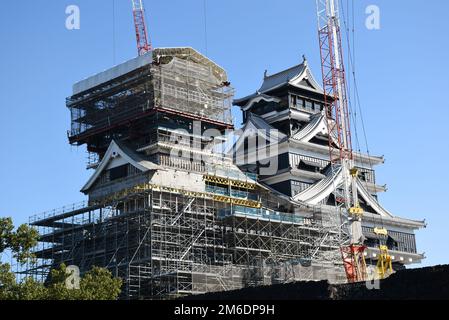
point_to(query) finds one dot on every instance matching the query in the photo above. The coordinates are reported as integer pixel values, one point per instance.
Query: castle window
(309, 106)
(293, 101)
(118, 172)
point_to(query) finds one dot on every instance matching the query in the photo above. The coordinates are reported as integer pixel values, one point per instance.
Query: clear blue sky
(402, 73)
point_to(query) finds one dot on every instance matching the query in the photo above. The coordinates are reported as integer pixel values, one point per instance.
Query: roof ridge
(286, 70)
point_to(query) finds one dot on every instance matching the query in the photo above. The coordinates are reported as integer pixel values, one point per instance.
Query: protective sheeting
(112, 73)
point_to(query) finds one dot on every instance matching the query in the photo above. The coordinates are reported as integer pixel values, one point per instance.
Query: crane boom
(340, 148)
(143, 43)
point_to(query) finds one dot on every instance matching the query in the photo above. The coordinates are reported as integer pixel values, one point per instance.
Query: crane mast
(143, 43)
(340, 143)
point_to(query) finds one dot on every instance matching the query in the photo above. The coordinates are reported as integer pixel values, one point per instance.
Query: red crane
(341, 153)
(143, 43)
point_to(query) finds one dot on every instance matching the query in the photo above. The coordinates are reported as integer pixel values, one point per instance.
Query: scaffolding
(184, 85)
(165, 243)
(226, 232)
(179, 81)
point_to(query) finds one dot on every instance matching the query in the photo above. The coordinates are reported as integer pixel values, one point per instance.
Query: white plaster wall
(179, 179)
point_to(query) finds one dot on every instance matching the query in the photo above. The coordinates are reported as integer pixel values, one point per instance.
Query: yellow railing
(151, 187)
(232, 182)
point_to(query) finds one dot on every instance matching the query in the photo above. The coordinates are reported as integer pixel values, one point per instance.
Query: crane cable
(114, 56)
(357, 102)
(205, 27)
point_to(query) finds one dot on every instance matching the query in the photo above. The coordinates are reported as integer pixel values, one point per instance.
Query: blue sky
(402, 76)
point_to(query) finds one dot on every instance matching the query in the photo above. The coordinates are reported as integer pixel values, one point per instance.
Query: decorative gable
(257, 128)
(259, 98)
(118, 159)
(306, 80)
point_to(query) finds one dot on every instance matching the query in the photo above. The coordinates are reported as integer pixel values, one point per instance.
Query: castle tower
(172, 214)
(290, 103)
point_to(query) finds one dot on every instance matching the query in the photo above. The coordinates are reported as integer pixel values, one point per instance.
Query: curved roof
(257, 126)
(317, 125)
(323, 188)
(371, 201)
(281, 78)
(299, 76)
(258, 98)
(320, 190)
(119, 150)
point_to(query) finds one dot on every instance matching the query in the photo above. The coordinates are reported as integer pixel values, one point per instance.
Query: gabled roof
(306, 80)
(257, 125)
(323, 188)
(281, 78)
(259, 97)
(318, 125)
(373, 203)
(320, 190)
(118, 150)
(299, 76)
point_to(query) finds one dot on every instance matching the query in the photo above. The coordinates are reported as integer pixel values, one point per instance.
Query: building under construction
(174, 211)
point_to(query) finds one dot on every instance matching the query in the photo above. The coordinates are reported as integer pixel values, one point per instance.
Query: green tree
(29, 289)
(57, 289)
(97, 284)
(19, 242)
(7, 282)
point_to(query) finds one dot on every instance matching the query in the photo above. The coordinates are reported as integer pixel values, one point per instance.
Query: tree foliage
(19, 242)
(96, 284)
(7, 282)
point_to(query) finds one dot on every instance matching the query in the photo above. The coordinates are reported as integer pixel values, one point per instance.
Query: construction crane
(340, 144)
(143, 43)
(384, 265)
